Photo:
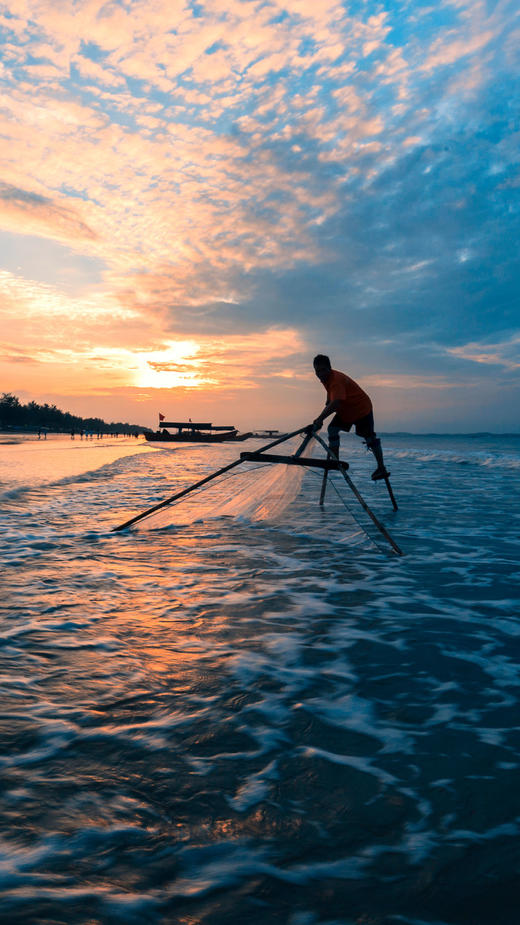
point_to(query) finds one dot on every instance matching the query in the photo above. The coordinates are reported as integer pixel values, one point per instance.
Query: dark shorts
(364, 426)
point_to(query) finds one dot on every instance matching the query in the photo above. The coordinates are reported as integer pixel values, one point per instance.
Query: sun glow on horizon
(176, 366)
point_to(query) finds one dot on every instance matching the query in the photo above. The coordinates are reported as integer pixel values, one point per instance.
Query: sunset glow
(170, 368)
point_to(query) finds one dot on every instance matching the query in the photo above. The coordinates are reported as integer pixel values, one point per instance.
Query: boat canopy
(190, 425)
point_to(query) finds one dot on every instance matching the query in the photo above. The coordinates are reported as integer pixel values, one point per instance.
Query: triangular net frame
(331, 462)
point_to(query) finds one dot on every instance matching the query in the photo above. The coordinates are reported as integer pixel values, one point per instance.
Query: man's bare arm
(329, 409)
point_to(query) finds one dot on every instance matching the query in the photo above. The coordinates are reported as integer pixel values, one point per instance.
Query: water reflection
(232, 719)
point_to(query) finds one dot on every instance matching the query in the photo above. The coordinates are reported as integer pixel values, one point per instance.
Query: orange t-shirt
(354, 402)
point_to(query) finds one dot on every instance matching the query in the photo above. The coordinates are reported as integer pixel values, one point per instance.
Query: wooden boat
(265, 434)
(190, 432)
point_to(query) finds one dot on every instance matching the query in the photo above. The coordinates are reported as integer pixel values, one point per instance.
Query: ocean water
(248, 708)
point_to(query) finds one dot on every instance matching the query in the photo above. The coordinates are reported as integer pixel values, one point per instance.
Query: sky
(197, 196)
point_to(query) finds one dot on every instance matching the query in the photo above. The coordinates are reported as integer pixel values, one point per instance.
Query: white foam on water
(358, 714)
(255, 788)
(247, 707)
(365, 765)
(487, 460)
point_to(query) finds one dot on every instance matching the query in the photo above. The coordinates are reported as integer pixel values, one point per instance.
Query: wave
(107, 469)
(477, 458)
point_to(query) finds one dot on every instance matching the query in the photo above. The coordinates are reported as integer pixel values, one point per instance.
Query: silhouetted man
(351, 407)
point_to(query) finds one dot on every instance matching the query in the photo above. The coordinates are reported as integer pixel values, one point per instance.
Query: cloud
(127, 348)
(30, 213)
(158, 185)
(449, 50)
(242, 168)
(504, 354)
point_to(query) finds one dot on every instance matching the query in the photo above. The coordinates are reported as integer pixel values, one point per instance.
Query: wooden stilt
(323, 486)
(390, 492)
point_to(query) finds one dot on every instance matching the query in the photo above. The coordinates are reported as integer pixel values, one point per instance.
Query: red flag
(161, 416)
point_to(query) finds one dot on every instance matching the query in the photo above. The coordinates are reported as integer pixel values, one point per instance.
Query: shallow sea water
(249, 709)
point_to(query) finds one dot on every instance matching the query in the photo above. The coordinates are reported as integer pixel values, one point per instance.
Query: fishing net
(258, 491)
(254, 492)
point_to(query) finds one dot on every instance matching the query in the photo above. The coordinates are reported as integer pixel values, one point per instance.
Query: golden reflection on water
(195, 703)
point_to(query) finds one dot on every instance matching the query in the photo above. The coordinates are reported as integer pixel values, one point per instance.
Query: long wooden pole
(361, 500)
(190, 488)
(307, 430)
(306, 440)
(323, 486)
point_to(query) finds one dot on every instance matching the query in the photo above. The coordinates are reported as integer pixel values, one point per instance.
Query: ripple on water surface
(234, 718)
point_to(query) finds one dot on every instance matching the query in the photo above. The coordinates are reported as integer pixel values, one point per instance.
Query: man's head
(322, 367)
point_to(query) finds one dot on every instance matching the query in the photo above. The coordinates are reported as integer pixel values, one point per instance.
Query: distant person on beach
(351, 407)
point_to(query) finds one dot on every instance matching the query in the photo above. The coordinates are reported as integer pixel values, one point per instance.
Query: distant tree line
(33, 416)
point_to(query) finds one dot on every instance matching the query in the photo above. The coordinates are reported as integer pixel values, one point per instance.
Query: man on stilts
(351, 407)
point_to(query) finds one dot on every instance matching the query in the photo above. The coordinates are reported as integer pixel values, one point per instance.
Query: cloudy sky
(196, 196)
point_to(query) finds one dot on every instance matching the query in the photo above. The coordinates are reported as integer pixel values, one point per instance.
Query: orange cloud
(165, 187)
(408, 382)
(117, 347)
(158, 142)
(505, 353)
(30, 213)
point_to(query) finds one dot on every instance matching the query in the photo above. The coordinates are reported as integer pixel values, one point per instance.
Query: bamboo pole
(306, 440)
(307, 430)
(307, 462)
